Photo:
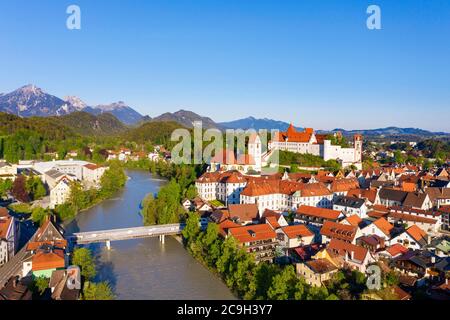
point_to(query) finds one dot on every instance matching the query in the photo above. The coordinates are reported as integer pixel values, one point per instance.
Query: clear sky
(312, 62)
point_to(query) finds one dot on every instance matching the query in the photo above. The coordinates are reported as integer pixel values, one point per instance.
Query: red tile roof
(342, 185)
(273, 222)
(321, 266)
(34, 245)
(245, 212)
(411, 217)
(363, 193)
(292, 135)
(354, 220)
(319, 212)
(297, 231)
(338, 231)
(253, 233)
(5, 223)
(416, 233)
(225, 225)
(48, 260)
(384, 226)
(396, 249)
(342, 249)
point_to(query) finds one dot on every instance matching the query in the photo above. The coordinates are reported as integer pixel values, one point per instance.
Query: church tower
(358, 142)
(255, 150)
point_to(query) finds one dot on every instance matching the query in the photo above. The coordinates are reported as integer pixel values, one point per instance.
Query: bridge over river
(107, 236)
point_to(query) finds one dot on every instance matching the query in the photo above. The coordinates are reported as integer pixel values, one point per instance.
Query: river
(145, 269)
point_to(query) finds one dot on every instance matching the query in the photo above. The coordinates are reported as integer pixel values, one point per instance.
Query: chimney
(352, 255)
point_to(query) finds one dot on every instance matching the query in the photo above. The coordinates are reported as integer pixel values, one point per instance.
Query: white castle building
(308, 142)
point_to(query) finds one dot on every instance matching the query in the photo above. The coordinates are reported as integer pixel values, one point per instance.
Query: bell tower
(255, 150)
(358, 142)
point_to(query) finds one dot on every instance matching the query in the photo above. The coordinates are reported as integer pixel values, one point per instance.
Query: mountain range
(31, 101)
(257, 124)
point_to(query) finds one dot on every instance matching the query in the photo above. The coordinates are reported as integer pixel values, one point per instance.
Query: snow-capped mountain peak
(30, 100)
(30, 89)
(75, 102)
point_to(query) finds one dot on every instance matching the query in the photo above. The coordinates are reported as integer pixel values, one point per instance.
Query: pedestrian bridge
(106, 236)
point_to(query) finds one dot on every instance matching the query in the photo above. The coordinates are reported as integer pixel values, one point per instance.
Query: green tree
(283, 285)
(169, 203)
(39, 215)
(78, 197)
(40, 285)
(192, 228)
(97, 291)
(113, 179)
(39, 190)
(191, 192)
(65, 211)
(300, 289)
(317, 293)
(149, 211)
(399, 157)
(82, 257)
(5, 187)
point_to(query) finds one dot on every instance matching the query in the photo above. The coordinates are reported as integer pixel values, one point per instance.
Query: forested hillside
(87, 124)
(43, 138)
(152, 132)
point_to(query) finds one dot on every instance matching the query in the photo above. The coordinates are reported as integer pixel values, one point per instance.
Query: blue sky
(311, 62)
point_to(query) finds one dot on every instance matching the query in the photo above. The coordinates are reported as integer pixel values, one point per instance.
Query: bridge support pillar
(162, 239)
(108, 245)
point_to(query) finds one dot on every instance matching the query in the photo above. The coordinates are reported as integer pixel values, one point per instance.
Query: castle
(304, 142)
(308, 142)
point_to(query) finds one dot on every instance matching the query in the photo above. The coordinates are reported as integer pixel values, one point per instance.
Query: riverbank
(144, 269)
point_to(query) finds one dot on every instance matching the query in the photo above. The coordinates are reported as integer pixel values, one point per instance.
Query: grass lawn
(23, 208)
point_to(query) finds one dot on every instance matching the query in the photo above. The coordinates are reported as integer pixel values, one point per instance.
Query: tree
(19, 189)
(113, 179)
(65, 211)
(300, 289)
(40, 285)
(82, 257)
(262, 280)
(5, 187)
(283, 285)
(97, 291)
(191, 192)
(39, 215)
(399, 157)
(78, 197)
(192, 228)
(169, 203)
(39, 190)
(317, 293)
(149, 211)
